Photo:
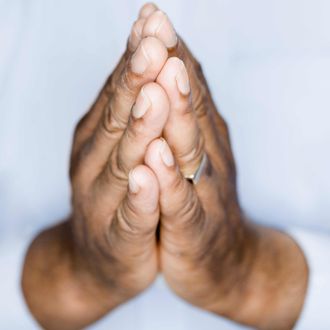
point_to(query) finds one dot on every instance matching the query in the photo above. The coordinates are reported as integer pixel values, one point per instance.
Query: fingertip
(152, 105)
(159, 155)
(174, 77)
(173, 187)
(159, 100)
(136, 34)
(143, 189)
(142, 178)
(152, 154)
(155, 49)
(147, 9)
(149, 56)
(159, 25)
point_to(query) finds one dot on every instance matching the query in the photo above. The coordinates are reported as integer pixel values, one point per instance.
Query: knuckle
(137, 130)
(115, 169)
(175, 184)
(112, 125)
(129, 227)
(115, 172)
(191, 211)
(134, 130)
(187, 107)
(192, 154)
(121, 165)
(189, 224)
(187, 206)
(125, 86)
(200, 101)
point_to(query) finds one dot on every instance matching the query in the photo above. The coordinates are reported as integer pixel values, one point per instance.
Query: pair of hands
(134, 213)
(127, 180)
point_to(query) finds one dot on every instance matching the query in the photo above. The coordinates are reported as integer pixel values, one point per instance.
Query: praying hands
(154, 190)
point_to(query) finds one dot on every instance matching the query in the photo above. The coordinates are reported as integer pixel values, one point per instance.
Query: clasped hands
(134, 213)
(151, 125)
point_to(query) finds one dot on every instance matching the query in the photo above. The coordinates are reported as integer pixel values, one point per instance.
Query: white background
(268, 65)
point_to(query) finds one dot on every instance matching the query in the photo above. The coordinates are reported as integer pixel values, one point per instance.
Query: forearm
(58, 289)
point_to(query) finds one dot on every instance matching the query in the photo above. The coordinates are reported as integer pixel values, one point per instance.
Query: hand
(106, 253)
(210, 254)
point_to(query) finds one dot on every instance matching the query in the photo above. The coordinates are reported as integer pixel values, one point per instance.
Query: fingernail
(141, 105)
(132, 184)
(135, 35)
(139, 61)
(166, 154)
(182, 80)
(166, 30)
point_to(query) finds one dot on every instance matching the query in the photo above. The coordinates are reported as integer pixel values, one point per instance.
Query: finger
(201, 96)
(147, 9)
(86, 125)
(182, 214)
(136, 34)
(147, 122)
(158, 25)
(213, 126)
(132, 232)
(143, 67)
(211, 123)
(181, 131)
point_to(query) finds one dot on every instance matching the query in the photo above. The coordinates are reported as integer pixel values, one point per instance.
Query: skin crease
(122, 190)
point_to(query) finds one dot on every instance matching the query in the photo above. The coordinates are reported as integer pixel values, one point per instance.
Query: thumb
(133, 230)
(183, 220)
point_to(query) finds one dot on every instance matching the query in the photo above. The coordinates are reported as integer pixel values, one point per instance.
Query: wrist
(273, 288)
(57, 291)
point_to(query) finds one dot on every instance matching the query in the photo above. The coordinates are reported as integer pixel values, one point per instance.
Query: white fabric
(268, 66)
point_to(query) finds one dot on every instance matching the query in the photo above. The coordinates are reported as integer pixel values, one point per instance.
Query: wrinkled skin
(127, 175)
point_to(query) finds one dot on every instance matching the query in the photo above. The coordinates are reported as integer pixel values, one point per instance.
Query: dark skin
(209, 252)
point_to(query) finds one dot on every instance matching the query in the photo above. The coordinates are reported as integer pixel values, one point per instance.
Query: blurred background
(268, 66)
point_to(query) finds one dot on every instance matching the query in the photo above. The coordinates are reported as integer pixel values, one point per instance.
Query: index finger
(142, 67)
